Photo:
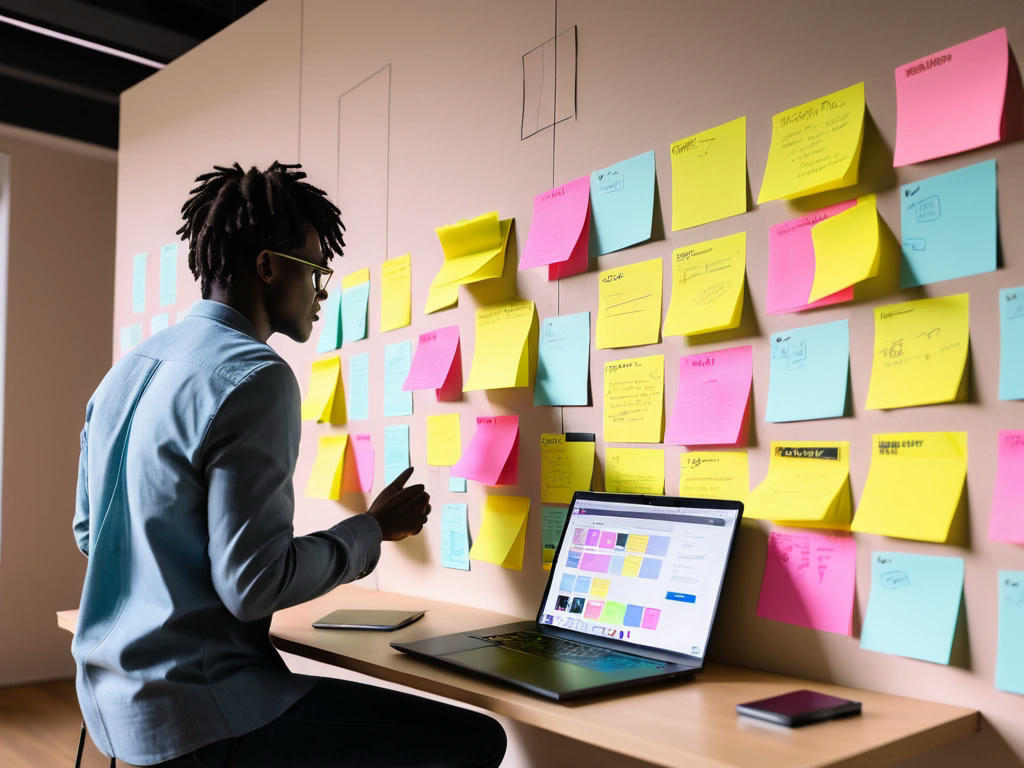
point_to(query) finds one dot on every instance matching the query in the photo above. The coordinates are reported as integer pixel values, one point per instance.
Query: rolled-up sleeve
(257, 564)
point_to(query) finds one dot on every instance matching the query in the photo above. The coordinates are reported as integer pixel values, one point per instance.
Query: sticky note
(714, 475)
(441, 297)
(474, 250)
(330, 324)
(1006, 521)
(914, 485)
(629, 305)
(847, 249)
(131, 335)
(622, 203)
(709, 175)
(914, 604)
(397, 359)
(1011, 343)
(444, 439)
(437, 363)
(359, 386)
(712, 405)
(328, 467)
(809, 580)
(357, 476)
(492, 456)
(948, 225)
(552, 523)
(808, 484)
(457, 484)
(1010, 648)
(634, 396)
(396, 293)
(501, 353)
(634, 470)
(139, 283)
(791, 263)
(168, 274)
(566, 465)
(502, 536)
(325, 400)
(810, 369)
(707, 286)
(355, 300)
(952, 100)
(455, 536)
(815, 146)
(920, 352)
(563, 361)
(158, 322)
(560, 230)
(396, 451)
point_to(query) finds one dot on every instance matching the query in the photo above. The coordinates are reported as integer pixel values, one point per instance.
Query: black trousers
(341, 723)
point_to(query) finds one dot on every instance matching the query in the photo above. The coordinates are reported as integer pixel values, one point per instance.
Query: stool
(81, 746)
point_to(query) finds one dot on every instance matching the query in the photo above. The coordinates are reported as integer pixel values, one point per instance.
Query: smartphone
(362, 619)
(799, 708)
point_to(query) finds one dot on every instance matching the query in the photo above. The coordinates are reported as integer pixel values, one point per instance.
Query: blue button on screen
(681, 597)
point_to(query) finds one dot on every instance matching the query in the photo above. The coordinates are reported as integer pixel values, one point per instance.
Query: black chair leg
(81, 746)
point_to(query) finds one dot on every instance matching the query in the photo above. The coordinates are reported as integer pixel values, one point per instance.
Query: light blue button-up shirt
(185, 508)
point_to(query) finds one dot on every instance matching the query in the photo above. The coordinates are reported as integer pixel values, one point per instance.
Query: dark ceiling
(62, 88)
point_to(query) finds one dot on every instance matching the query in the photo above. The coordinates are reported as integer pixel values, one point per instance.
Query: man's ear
(264, 266)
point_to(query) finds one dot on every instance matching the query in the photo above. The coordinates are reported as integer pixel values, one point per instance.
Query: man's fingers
(414, 493)
(399, 481)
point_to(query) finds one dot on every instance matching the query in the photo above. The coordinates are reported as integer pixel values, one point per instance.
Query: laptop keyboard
(589, 656)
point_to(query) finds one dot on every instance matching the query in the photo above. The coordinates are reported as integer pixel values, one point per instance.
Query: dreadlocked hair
(234, 214)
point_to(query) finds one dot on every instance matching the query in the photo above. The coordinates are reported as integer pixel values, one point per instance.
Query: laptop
(630, 599)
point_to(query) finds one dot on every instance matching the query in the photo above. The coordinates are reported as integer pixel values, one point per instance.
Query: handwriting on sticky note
(634, 399)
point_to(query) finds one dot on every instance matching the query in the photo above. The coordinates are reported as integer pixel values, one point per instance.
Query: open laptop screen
(647, 573)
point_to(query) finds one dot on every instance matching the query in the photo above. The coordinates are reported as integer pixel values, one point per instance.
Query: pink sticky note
(579, 259)
(791, 263)
(357, 475)
(809, 580)
(559, 219)
(952, 100)
(594, 608)
(1006, 523)
(651, 616)
(436, 363)
(712, 399)
(595, 563)
(492, 456)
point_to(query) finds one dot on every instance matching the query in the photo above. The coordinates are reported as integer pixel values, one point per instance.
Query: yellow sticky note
(634, 399)
(444, 439)
(634, 470)
(473, 249)
(565, 467)
(707, 286)
(808, 484)
(325, 400)
(441, 297)
(847, 248)
(920, 352)
(709, 175)
(396, 293)
(328, 468)
(501, 352)
(914, 485)
(353, 279)
(714, 475)
(502, 536)
(815, 146)
(599, 587)
(629, 305)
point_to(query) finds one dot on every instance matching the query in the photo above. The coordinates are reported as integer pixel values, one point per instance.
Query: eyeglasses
(321, 274)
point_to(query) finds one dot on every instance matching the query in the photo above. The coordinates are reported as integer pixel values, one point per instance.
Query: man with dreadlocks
(185, 508)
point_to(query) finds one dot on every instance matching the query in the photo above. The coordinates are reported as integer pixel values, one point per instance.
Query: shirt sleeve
(81, 521)
(257, 564)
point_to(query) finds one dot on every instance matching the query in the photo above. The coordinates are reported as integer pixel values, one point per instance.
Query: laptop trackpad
(534, 671)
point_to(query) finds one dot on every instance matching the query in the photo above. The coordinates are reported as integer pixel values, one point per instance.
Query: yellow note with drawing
(444, 439)
(634, 470)
(328, 468)
(714, 475)
(847, 248)
(634, 399)
(502, 536)
(815, 146)
(707, 286)
(709, 175)
(920, 352)
(808, 484)
(565, 467)
(396, 293)
(914, 485)
(501, 352)
(629, 305)
(325, 400)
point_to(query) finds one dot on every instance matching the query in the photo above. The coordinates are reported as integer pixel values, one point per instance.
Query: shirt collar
(222, 313)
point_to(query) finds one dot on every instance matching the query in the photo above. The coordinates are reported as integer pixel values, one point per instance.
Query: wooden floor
(39, 727)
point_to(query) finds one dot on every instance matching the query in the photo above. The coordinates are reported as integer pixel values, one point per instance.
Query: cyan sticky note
(396, 451)
(168, 274)
(130, 336)
(914, 605)
(457, 484)
(563, 361)
(810, 368)
(397, 359)
(455, 536)
(1011, 343)
(354, 303)
(1010, 652)
(330, 331)
(139, 283)
(948, 225)
(622, 203)
(358, 386)
(158, 322)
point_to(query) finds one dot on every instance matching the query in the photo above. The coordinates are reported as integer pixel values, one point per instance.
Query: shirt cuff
(367, 535)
